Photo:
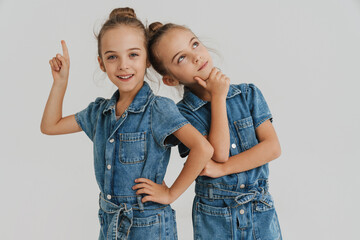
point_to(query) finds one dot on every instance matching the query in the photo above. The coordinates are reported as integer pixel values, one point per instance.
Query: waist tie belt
(121, 221)
(240, 197)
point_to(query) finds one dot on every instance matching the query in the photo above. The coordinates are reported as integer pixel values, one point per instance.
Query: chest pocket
(132, 147)
(246, 132)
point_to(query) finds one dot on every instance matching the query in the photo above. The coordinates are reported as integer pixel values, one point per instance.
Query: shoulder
(246, 88)
(163, 106)
(162, 100)
(94, 108)
(162, 103)
(243, 87)
(100, 101)
(100, 104)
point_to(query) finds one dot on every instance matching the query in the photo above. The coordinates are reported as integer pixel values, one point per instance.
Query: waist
(108, 202)
(221, 191)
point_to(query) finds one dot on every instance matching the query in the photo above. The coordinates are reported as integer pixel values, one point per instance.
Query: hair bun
(154, 27)
(122, 12)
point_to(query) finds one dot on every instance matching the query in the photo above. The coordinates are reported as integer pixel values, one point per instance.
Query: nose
(197, 58)
(122, 64)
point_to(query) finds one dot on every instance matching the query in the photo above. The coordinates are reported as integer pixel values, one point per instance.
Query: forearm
(256, 156)
(196, 161)
(53, 108)
(219, 136)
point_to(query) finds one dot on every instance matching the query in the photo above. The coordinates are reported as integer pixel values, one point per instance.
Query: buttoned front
(246, 110)
(133, 146)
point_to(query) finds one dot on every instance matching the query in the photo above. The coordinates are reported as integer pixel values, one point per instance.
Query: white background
(303, 55)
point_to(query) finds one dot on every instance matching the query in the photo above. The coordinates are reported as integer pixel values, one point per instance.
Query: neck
(126, 98)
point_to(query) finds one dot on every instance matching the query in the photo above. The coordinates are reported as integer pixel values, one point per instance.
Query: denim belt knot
(121, 221)
(255, 194)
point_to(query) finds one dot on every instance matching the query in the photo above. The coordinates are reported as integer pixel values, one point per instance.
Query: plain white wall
(304, 56)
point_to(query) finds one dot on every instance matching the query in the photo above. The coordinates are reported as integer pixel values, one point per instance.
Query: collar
(194, 102)
(139, 103)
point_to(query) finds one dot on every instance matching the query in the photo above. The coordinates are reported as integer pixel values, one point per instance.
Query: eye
(132, 55)
(111, 57)
(195, 44)
(180, 59)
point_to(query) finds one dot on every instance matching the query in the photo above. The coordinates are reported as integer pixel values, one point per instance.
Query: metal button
(242, 211)
(233, 145)
(108, 196)
(242, 186)
(111, 140)
(123, 115)
(109, 166)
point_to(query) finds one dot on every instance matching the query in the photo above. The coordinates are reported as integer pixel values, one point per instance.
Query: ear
(101, 64)
(148, 64)
(169, 81)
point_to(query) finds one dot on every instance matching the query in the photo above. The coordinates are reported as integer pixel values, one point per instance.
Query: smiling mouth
(125, 77)
(203, 66)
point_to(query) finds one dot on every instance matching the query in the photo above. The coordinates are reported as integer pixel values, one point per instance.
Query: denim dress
(236, 206)
(126, 149)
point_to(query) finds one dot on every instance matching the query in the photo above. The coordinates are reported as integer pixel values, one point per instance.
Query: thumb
(200, 81)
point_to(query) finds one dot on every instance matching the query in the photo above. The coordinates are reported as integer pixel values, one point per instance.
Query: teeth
(127, 77)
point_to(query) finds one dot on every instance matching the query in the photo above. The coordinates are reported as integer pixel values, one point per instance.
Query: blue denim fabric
(127, 220)
(236, 206)
(132, 147)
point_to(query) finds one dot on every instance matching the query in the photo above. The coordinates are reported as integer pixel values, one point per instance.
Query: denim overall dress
(128, 148)
(236, 206)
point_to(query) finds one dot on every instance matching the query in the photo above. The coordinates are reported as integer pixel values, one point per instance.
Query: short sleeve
(258, 107)
(165, 120)
(87, 118)
(196, 122)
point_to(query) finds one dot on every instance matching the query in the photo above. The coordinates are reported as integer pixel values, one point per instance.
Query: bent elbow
(46, 130)
(276, 151)
(207, 150)
(220, 157)
(43, 130)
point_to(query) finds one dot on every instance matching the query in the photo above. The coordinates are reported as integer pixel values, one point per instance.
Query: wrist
(218, 97)
(172, 196)
(223, 169)
(60, 84)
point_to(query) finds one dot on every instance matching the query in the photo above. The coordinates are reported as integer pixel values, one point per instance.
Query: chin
(129, 87)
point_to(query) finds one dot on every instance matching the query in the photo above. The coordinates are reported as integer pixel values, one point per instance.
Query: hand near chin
(159, 193)
(217, 84)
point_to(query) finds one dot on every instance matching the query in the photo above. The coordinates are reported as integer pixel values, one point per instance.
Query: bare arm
(53, 122)
(265, 151)
(219, 137)
(200, 153)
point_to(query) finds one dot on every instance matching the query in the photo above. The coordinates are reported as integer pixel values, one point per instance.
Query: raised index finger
(65, 49)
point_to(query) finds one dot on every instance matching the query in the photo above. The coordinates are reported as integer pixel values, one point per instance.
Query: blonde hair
(121, 16)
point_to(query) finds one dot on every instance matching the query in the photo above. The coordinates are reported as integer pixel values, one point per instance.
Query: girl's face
(184, 57)
(124, 58)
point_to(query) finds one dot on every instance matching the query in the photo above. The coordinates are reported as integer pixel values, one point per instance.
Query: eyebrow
(180, 51)
(130, 49)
